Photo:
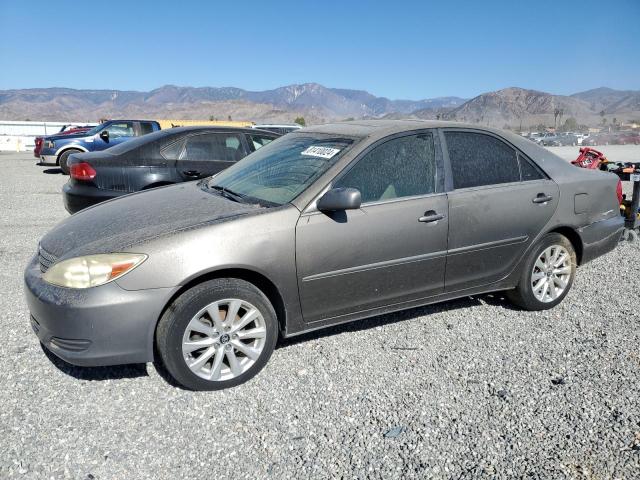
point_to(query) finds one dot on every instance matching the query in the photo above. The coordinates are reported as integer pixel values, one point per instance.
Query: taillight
(82, 171)
(619, 191)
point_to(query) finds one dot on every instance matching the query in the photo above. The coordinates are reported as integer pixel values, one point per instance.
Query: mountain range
(510, 106)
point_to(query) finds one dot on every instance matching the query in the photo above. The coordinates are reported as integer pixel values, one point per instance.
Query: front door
(500, 202)
(118, 132)
(392, 250)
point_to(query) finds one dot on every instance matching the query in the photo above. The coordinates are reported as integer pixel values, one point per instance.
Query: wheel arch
(574, 237)
(66, 149)
(260, 281)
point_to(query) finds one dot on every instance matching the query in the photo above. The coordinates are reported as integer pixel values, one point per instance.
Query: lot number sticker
(322, 152)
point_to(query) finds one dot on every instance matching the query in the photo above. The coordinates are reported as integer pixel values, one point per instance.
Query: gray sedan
(326, 225)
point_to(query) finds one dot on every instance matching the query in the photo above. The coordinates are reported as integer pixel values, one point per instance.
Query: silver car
(323, 226)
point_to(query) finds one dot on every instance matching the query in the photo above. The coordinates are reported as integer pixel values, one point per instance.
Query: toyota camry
(325, 225)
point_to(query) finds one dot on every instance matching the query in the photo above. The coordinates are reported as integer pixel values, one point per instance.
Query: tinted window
(257, 141)
(145, 127)
(214, 146)
(401, 167)
(478, 159)
(120, 129)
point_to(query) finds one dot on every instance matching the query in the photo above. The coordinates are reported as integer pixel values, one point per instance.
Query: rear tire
(547, 274)
(63, 158)
(202, 352)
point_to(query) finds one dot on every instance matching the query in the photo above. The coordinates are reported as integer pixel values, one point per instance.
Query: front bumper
(97, 326)
(77, 196)
(601, 237)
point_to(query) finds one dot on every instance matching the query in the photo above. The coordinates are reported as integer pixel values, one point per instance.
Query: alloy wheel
(224, 339)
(551, 273)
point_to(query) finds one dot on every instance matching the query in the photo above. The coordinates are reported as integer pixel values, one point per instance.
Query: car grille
(45, 259)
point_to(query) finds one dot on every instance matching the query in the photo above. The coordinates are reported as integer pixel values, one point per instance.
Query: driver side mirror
(338, 199)
(104, 135)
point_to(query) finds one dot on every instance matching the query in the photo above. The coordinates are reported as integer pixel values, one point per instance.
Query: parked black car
(157, 159)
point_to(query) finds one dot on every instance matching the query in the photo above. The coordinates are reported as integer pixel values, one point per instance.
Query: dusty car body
(338, 249)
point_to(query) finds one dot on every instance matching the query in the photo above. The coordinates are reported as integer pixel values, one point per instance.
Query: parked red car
(65, 130)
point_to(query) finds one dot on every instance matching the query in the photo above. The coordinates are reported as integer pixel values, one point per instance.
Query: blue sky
(397, 49)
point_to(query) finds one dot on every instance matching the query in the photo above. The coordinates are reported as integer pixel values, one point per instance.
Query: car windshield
(95, 129)
(280, 171)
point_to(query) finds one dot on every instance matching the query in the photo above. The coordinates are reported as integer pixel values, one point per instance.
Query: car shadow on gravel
(134, 370)
(495, 299)
(52, 171)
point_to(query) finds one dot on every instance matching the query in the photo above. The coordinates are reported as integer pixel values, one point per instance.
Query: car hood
(125, 222)
(69, 136)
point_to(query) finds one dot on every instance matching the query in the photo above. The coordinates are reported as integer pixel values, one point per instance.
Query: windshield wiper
(230, 194)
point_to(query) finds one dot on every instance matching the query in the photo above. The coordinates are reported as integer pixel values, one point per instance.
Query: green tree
(300, 121)
(211, 118)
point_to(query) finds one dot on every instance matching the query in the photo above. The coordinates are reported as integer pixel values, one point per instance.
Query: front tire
(547, 274)
(217, 335)
(63, 159)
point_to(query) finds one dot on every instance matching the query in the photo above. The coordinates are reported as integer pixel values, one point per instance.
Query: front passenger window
(124, 129)
(402, 167)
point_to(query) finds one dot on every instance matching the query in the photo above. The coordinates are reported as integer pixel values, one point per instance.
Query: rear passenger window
(527, 170)
(478, 159)
(402, 167)
(214, 146)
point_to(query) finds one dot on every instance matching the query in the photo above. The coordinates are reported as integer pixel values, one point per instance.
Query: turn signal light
(82, 171)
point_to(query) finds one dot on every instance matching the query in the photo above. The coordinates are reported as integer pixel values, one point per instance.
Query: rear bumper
(600, 237)
(77, 196)
(103, 325)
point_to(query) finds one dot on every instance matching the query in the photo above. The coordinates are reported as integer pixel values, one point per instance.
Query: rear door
(500, 201)
(205, 154)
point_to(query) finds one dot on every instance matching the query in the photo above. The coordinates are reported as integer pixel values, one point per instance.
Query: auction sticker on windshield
(322, 152)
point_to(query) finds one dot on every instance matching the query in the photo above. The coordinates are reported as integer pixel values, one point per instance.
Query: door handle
(431, 216)
(542, 198)
(191, 173)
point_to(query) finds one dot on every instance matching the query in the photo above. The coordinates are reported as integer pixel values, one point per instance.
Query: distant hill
(511, 106)
(311, 100)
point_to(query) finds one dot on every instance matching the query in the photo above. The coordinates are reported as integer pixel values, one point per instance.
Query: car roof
(210, 128)
(365, 128)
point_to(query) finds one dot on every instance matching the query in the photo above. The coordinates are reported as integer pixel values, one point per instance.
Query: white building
(20, 136)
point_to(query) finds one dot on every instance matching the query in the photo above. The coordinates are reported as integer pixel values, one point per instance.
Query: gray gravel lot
(465, 389)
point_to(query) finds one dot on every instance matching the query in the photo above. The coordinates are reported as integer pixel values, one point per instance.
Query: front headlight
(92, 270)
(49, 144)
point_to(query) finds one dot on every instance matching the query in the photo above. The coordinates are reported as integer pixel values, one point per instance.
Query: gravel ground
(465, 389)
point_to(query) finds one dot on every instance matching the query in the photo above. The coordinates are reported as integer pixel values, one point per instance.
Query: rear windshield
(136, 142)
(280, 171)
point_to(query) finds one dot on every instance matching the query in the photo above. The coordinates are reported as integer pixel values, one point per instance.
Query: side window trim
(439, 180)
